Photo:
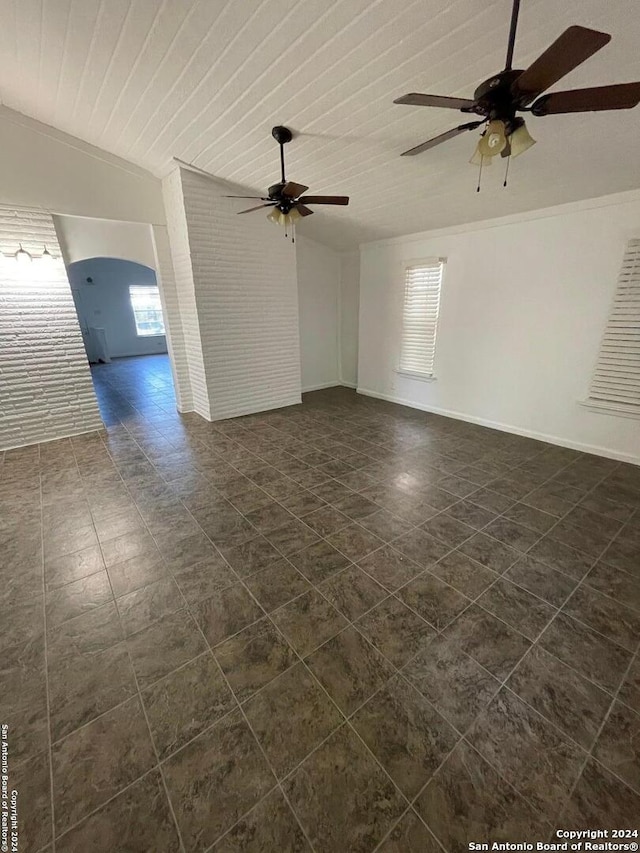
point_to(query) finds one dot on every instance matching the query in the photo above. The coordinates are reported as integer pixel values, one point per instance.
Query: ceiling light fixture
(22, 256)
(520, 140)
(46, 256)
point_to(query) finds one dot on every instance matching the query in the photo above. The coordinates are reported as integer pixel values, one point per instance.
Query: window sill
(421, 377)
(611, 408)
(154, 335)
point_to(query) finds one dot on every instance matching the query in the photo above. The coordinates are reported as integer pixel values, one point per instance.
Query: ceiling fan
(286, 197)
(499, 99)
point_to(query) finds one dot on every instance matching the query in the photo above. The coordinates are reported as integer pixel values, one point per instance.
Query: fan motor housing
(494, 97)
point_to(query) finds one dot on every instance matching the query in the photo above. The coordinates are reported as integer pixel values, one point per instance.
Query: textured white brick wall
(172, 319)
(45, 382)
(185, 294)
(237, 293)
(246, 291)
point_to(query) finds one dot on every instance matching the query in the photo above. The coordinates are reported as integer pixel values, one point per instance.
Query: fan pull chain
(506, 172)
(480, 173)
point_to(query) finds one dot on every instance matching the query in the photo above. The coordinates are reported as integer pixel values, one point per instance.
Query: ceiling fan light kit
(500, 98)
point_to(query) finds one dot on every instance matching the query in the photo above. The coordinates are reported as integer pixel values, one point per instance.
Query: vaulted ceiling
(205, 80)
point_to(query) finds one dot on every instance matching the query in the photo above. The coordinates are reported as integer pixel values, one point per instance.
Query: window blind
(422, 285)
(616, 379)
(147, 309)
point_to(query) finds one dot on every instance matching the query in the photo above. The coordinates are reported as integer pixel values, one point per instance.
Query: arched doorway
(122, 324)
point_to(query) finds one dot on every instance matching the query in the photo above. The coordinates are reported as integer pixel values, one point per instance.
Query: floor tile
(561, 557)
(77, 597)
(489, 552)
(254, 657)
(583, 649)
(343, 799)
(599, 796)
(618, 623)
(410, 836)
(396, 631)
(32, 781)
(292, 537)
(226, 612)
(531, 517)
(467, 799)
(491, 642)
(97, 761)
(125, 547)
(405, 733)
(269, 517)
(452, 681)
(463, 573)
(137, 572)
(215, 779)
(276, 585)
(541, 580)
(390, 568)
(385, 525)
(630, 690)
(517, 607)
(448, 529)
(311, 717)
(616, 584)
(164, 646)
(326, 520)
(511, 533)
(559, 693)
(251, 556)
(271, 825)
(354, 541)
(141, 608)
(308, 621)
(471, 514)
(204, 579)
(185, 703)
(149, 824)
(352, 592)
(319, 561)
(421, 548)
(434, 600)
(350, 669)
(72, 567)
(528, 752)
(618, 746)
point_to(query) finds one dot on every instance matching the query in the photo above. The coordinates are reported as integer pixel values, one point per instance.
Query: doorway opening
(122, 324)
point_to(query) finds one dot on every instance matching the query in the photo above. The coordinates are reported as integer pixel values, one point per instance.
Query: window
(422, 282)
(616, 379)
(147, 310)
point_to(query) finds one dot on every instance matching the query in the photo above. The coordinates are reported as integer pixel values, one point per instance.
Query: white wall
(45, 384)
(83, 237)
(523, 308)
(43, 167)
(349, 312)
(105, 303)
(318, 269)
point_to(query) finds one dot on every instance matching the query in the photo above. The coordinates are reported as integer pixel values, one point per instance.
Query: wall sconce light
(22, 256)
(46, 257)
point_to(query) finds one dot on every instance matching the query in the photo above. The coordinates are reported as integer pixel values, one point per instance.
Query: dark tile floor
(343, 626)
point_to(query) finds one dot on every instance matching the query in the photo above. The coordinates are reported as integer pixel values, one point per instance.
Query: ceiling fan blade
(443, 137)
(620, 96)
(415, 99)
(293, 190)
(325, 199)
(572, 48)
(302, 210)
(259, 207)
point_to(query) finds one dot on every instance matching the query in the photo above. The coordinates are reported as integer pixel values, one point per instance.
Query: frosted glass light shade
(479, 159)
(286, 219)
(493, 140)
(520, 140)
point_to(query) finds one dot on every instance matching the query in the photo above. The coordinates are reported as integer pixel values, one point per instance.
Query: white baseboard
(540, 436)
(337, 383)
(346, 384)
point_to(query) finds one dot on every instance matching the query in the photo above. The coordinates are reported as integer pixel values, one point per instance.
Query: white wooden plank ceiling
(205, 80)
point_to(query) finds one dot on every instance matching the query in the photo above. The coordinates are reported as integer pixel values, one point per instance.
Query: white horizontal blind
(422, 285)
(616, 379)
